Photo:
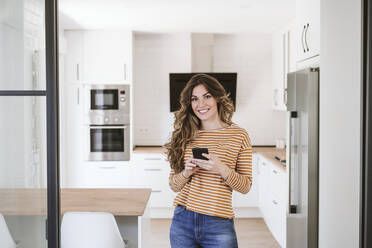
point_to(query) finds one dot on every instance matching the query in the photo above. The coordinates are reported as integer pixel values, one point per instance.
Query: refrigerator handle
(291, 208)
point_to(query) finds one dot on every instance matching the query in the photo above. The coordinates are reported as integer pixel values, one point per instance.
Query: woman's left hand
(213, 164)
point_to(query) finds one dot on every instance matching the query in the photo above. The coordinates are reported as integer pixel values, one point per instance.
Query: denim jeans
(193, 230)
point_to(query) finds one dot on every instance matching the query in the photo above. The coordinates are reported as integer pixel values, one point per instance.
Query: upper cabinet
(99, 57)
(74, 57)
(283, 61)
(308, 28)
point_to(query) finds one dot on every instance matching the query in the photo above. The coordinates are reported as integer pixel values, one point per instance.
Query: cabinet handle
(78, 95)
(275, 172)
(275, 97)
(77, 71)
(285, 96)
(275, 202)
(125, 71)
(107, 167)
(302, 38)
(156, 191)
(152, 169)
(152, 158)
(307, 27)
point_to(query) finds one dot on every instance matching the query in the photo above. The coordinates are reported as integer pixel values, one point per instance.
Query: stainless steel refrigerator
(303, 158)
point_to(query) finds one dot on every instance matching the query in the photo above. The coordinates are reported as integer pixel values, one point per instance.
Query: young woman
(203, 216)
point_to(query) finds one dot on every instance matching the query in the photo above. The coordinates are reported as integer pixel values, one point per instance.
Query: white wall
(339, 172)
(155, 56)
(158, 54)
(250, 56)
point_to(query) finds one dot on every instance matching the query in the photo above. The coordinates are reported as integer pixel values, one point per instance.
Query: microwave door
(104, 99)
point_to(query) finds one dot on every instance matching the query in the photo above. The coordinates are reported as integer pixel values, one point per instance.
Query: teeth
(203, 111)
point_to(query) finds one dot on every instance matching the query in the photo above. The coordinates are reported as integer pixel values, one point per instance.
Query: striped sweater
(207, 192)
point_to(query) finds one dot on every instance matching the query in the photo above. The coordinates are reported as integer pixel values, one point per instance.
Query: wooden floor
(251, 233)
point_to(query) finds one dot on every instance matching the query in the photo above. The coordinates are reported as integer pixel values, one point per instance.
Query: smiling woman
(204, 216)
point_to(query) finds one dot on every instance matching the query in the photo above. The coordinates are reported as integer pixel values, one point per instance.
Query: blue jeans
(193, 230)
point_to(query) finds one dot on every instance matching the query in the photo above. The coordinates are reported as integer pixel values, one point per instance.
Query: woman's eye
(193, 99)
(208, 96)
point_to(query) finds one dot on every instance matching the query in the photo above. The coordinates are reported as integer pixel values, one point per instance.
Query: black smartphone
(197, 152)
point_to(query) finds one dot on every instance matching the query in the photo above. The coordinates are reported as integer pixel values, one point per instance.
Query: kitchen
(142, 57)
(93, 56)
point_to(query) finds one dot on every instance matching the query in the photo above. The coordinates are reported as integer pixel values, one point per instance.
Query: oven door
(108, 143)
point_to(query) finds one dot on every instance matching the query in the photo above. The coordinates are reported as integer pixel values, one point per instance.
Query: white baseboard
(240, 212)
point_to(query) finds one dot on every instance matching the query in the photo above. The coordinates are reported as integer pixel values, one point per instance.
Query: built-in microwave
(107, 104)
(108, 143)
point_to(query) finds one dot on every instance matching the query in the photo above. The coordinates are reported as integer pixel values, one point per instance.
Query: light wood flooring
(251, 233)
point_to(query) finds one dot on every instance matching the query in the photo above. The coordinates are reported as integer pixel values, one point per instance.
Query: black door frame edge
(52, 100)
(365, 217)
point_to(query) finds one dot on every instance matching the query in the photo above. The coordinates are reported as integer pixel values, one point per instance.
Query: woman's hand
(190, 168)
(213, 164)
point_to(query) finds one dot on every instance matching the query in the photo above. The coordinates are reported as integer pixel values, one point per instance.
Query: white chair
(6, 240)
(90, 230)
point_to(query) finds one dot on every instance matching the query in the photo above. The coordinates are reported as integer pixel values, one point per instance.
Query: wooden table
(129, 206)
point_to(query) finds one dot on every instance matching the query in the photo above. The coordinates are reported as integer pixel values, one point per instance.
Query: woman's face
(203, 103)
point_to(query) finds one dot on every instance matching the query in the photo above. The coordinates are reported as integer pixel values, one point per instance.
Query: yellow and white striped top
(207, 192)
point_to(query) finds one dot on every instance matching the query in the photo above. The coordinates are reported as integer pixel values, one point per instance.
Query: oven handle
(109, 127)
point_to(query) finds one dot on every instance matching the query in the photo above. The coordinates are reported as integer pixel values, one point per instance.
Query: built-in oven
(107, 120)
(108, 143)
(107, 104)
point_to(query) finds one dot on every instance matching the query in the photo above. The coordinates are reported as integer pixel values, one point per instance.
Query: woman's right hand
(190, 168)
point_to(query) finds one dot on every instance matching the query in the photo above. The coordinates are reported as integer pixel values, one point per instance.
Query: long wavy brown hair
(186, 123)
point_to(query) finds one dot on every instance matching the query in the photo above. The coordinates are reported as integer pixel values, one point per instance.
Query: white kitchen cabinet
(308, 28)
(72, 130)
(152, 170)
(251, 198)
(99, 57)
(283, 61)
(273, 198)
(108, 56)
(74, 57)
(107, 175)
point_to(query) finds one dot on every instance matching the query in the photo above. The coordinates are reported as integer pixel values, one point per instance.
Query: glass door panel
(23, 173)
(22, 45)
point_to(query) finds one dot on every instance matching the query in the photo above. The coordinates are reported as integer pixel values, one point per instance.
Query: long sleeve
(177, 181)
(241, 179)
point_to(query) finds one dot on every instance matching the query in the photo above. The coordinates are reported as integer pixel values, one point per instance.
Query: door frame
(365, 237)
(52, 102)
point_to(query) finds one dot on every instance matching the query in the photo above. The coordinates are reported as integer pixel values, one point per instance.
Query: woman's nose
(201, 102)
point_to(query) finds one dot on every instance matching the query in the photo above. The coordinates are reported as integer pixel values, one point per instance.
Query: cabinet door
(308, 28)
(107, 175)
(278, 69)
(74, 57)
(283, 62)
(152, 171)
(107, 56)
(72, 134)
(263, 185)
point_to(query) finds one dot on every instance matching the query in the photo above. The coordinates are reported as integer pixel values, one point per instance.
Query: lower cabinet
(152, 171)
(272, 198)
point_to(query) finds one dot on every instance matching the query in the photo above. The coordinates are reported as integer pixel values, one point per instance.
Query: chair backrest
(6, 240)
(90, 230)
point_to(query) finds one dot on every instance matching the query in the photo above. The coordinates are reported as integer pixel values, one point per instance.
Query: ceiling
(200, 16)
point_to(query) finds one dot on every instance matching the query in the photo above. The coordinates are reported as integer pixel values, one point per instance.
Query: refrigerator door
(302, 165)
